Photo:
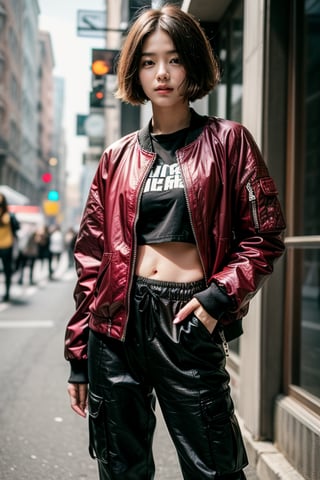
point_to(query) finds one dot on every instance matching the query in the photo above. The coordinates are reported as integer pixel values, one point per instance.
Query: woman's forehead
(159, 40)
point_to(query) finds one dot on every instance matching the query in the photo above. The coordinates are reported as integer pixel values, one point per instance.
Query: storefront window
(310, 292)
(310, 323)
(303, 278)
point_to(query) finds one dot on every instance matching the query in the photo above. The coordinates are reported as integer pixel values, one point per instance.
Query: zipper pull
(253, 204)
(224, 343)
(252, 196)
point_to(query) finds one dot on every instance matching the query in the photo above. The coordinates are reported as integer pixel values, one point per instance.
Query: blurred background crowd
(25, 239)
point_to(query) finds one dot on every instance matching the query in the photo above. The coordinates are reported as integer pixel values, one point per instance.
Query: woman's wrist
(214, 300)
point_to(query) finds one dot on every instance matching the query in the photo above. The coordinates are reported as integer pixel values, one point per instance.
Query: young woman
(181, 227)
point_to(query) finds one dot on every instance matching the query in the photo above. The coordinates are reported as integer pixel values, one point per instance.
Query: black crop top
(163, 215)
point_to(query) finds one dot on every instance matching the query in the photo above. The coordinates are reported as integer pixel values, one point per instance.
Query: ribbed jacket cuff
(79, 371)
(214, 300)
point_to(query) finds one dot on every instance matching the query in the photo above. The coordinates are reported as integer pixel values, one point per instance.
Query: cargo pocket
(224, 435)
(98, 444)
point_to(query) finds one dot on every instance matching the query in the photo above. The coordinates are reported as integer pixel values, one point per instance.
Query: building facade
(11, 60)
(28, 148)
(31, 106)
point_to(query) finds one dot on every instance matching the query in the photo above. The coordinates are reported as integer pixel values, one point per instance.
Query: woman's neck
(167, 121)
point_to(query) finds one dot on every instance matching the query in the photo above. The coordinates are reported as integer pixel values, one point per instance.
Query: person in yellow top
(8, 227)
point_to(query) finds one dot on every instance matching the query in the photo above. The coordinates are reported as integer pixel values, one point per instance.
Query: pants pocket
(196, 339)
(98, 443)
(224, 435)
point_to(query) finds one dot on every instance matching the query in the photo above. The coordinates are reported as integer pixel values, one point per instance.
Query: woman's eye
(175, 60)
(147, 63)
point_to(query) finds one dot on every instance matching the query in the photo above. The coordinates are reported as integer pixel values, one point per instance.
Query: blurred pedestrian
(9, 226)
(28, 254)
(56, 246)
(70, 240)
(43, 240)
(181, 228)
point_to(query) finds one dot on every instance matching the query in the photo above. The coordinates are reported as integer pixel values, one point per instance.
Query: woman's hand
(78, 393)
(195, 307)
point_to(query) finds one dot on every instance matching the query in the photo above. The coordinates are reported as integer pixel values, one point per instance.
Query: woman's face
(160, 72)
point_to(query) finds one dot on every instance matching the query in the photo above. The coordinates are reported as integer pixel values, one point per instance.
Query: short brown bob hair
(193, 47)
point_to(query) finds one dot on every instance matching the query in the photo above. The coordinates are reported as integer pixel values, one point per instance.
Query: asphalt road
(40, 436)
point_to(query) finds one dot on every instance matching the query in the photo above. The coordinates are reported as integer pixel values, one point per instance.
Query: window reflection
(310, 290)
(312, 119)
(310, 324)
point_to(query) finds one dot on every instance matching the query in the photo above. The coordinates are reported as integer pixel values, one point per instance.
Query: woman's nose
(162, 73)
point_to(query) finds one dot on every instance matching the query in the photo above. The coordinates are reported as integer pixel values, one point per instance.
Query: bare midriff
(169, 262)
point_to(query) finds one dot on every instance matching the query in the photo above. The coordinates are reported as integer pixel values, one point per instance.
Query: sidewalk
(41, 278)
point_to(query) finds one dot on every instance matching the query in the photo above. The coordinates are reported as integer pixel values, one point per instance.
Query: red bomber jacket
(234, 212)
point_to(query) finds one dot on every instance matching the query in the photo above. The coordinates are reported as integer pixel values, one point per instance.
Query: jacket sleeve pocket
(265, 207)
(98, 444)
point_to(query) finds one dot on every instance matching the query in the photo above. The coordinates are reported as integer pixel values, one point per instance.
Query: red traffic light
(46, 177)
(97, 96)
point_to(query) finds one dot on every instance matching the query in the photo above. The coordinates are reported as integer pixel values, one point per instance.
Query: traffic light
(51, 208)
(53, 195)
(97, 95)
(103, 62)
(46, 177)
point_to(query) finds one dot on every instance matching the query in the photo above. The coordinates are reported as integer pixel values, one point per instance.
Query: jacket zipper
(109, 326)
(221, 332)
(253, 203)
(190, 217)
(134, 257)
(224, 343)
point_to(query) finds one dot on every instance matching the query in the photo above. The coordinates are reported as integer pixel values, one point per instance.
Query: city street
(40, 436)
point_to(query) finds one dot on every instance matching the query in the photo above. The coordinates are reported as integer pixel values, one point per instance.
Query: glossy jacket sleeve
(258, 226)
(88, 253)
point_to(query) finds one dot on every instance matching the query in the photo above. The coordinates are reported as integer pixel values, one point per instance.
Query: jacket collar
(197, 125)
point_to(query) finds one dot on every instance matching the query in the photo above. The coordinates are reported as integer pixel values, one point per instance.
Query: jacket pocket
(98, 443)
(265, 207)
(224, 435)
(105, 263)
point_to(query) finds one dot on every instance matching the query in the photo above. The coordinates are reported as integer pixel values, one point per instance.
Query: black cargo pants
(185, 366)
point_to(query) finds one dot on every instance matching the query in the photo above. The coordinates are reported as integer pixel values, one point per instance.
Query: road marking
(26, 323)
